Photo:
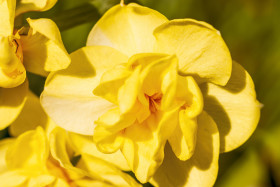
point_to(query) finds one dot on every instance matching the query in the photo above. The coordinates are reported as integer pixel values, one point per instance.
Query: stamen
(16, 44)
(122, 2)
(154, 102)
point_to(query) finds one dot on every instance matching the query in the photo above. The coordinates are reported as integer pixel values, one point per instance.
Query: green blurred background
(251, 29)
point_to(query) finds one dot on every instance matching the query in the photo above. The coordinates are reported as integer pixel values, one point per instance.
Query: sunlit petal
(200, 48)
(233, 107)
(68, 97)
(43, 49)
(127, 28)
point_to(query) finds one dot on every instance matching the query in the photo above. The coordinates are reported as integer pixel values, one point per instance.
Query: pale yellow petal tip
(122, 3)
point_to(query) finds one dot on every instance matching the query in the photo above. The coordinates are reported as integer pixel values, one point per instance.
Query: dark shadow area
(212, 106)
(174, 172)
(36, 83)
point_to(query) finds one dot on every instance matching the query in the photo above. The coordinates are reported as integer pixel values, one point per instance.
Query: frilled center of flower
(12, 71)
(152, 101)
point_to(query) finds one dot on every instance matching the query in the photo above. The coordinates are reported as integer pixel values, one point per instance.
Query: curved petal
(11, 103)
(62, 153)
(144, 143)
(200, 48)
(12, 71)
(34, 5)
(233, 107)
(12, 77)
(33, 150)
(201, 169)
(7, 15)
(183, 139)
(127, 28)
(42, 48)
(12, 178)
(68, 97)
(41, 180)
(85, 144)
(4, 145)
(32, 116)
(105, 172)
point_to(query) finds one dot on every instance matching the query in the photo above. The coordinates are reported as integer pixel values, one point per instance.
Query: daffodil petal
(31, 116)
(41, 180)
(14, 78)
(106, 141)
(12, 179)
(114, 121)
(62, 152)
(106, 172)
(127, 28)
(129, 88)
(4, 145)
(42, 48)
(89, 182)
(233, 107)
(201, 169)
(60, 183)
(12, 71)
(189, 92)
(85, 144)
(156, 76)
(11, 103)
(34, 5)
(68, 97)
(7, 15)
(199, 47)
(183, 139)
(58, 147)
(110, 83)
(144, 144)
(32, 148)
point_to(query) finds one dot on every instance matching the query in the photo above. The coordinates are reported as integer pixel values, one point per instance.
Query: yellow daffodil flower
(166, 93)
(30, 161)
(37, 49)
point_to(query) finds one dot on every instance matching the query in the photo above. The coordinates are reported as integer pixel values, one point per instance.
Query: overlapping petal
(34, 5)
(233, 107)
(200, 48)
(183, 139)
(201, 169)
(87, 165)
(7, 15)
(4, 145)
(43, 49)
(11, 103)
(84, 144)
(31, 116)
(127, 28)
(68, 97)
(34, 155)
(144, 143)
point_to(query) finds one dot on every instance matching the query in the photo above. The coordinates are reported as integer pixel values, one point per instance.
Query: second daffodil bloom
(33, 160)
(37, 48)
(166, 93)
